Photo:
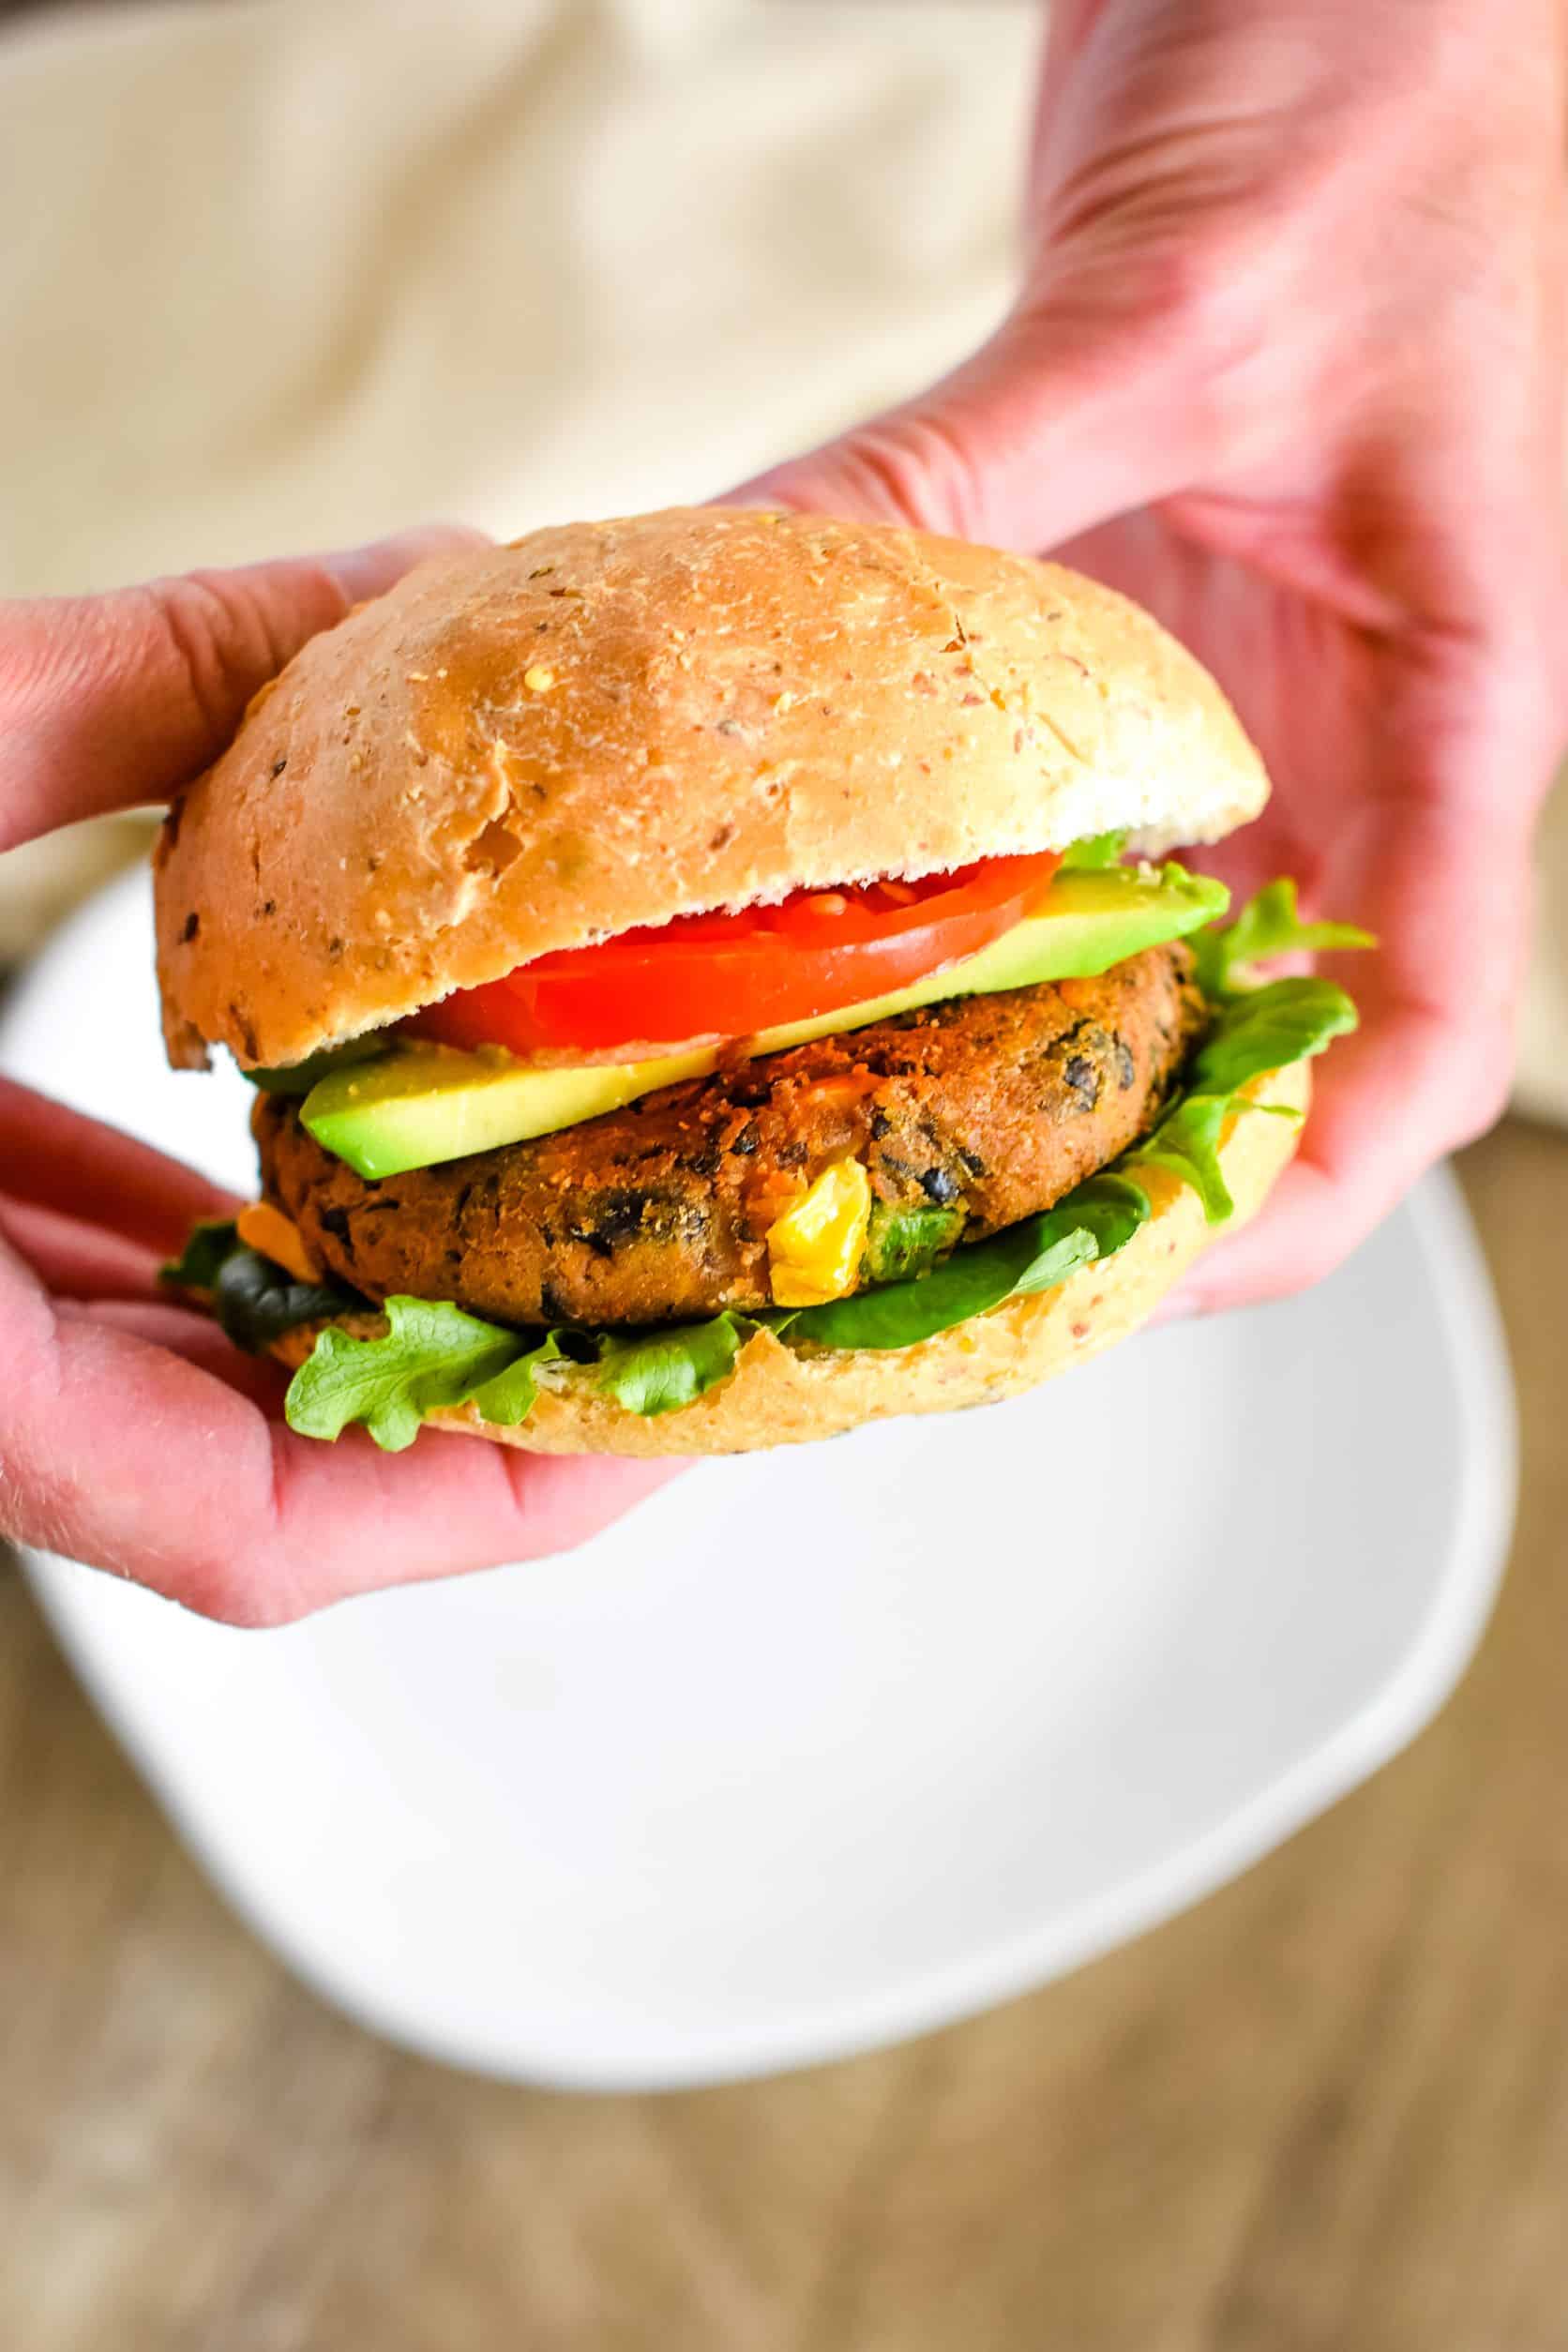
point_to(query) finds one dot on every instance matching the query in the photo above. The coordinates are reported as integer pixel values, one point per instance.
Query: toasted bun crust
(775, 1397)
(605, 725)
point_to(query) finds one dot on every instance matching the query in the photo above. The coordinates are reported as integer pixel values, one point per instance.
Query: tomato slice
(729, 976)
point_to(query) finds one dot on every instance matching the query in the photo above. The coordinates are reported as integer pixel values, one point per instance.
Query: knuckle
(213, 634)
(917, 470)
(222, 634)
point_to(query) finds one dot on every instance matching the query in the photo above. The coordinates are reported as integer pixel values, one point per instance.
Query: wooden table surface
(1327, 2110)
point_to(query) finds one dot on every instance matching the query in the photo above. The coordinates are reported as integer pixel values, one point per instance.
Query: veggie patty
(967, 1116)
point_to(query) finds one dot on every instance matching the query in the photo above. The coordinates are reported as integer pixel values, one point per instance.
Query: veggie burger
(708, 983)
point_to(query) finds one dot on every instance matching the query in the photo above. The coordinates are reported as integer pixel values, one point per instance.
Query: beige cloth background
(283, 273)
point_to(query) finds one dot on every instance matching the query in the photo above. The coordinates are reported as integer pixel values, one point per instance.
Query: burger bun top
(604, 725)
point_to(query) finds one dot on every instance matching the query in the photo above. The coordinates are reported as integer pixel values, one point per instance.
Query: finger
(1355, 1164)
(186, 1333)
(128, 1457)
(1428, 1068)
(76, 1261)
(58, 1158)
(1347, 1177)
(108, 702)
(472, 1504)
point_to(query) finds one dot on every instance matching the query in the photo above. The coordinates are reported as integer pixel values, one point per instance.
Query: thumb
(1062, 420)
(110, 701)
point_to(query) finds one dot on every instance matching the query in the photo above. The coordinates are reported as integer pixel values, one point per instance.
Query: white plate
(823, 1748)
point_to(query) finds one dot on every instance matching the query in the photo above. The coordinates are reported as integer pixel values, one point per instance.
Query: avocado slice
(421, 1104)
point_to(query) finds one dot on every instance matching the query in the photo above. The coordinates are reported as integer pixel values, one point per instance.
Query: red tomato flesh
(729, 976)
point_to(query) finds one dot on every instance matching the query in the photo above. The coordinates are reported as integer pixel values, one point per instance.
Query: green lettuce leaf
(898, 1314)
(1267, 926)
(209, 1242)
(432, 1355)
(1095, 851)
(1256, 1032)
(1269, 1027)
(1186, 1144)
(1110, 1208)
(660, 1371)
(1034, 1255)
(254, 1299)
(257, 1300)
(506, 1398)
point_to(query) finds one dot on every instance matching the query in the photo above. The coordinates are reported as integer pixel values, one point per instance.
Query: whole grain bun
(777, 1397)
(528, 748)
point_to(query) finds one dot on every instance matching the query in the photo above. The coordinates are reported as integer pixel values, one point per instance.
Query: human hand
(1287, 366)
(132, 1436)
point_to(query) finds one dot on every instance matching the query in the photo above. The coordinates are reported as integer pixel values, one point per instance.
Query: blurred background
(289, 273)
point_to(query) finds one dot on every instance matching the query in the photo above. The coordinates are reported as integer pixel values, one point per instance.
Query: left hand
(132, 1436)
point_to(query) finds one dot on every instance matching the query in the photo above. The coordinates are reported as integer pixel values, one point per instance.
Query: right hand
(1287, 366)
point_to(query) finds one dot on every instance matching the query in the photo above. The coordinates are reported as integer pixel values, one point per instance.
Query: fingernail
(369, 571)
